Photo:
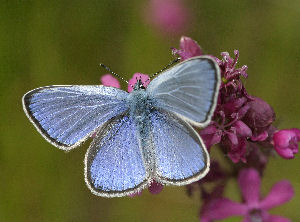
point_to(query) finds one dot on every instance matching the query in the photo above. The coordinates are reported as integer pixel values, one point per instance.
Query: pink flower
(259, 117)
(109, 80)
(145, 80)
(228, 69)
(168, 16)
(237, 151)
(231, 108)
(241, 124)
(208, 198)
(231, 86)
(155, 187)
(211, 135)
(253, 208)
(188, 48)
(286, 142)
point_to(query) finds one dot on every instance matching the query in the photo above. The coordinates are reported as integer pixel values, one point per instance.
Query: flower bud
(286, 142)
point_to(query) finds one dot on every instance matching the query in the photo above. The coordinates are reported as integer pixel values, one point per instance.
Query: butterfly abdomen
(140, 106)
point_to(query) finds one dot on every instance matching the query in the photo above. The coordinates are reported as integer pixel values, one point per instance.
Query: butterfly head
(139, 85)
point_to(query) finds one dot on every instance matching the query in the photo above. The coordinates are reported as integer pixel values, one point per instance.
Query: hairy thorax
(140, 104)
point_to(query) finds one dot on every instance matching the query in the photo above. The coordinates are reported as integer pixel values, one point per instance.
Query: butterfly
(140, 136)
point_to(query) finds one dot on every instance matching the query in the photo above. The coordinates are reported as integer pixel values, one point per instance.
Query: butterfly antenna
(115, 74)
(163, 69)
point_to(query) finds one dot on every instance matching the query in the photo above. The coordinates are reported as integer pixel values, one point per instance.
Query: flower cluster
(253, 208)
(242, 127)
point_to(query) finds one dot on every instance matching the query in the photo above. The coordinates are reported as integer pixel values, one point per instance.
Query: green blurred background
(62, 42)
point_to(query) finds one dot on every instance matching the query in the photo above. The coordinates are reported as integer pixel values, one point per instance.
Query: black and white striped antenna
(115, 74)
(163, 69)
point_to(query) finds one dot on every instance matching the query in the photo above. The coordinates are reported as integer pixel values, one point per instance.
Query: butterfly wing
(189, 89)
(114, 165)
(67, 115)
(180, 155)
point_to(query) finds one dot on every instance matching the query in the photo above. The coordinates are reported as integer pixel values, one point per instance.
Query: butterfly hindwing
(180, 155)
(114, 164)
(67, 115)
(189, 89)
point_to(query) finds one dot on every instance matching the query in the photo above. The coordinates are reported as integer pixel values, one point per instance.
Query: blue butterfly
(140, 136)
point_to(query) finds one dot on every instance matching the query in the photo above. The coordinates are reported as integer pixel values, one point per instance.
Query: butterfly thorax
(139, 103)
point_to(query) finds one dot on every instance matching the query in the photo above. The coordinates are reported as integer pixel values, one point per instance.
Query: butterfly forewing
(180, 155)
(67, 115)
(189, 89)
(114, 163)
